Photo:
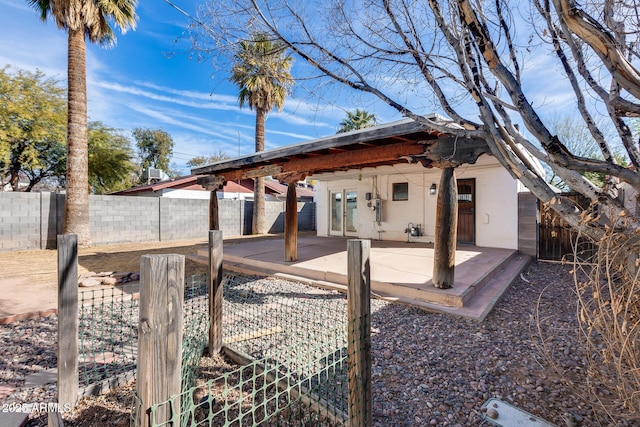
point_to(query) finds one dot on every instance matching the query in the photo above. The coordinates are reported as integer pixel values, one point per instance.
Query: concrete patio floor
(400, 271)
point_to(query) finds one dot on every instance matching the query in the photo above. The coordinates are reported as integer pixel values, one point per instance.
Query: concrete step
(479, 307)
(453, 297)
(202, 256)
(484, 300)
(424, 295)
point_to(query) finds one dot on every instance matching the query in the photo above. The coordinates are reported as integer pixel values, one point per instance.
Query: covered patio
(400, 271)
(383, 145)
(443, 276)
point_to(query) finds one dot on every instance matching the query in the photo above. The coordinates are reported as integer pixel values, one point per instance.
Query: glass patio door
(335, 228)
(351, 213)
(343, 213)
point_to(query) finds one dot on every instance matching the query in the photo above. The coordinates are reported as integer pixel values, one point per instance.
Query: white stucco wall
(496, 209)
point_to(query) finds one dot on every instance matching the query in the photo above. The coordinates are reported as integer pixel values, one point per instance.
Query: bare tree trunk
(259, 222)
(76, 211)
(14, 177)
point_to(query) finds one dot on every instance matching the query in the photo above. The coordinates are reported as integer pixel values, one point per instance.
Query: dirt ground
(28, 279)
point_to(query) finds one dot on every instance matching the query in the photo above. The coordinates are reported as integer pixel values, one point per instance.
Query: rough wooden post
(359, 333)
(215, 291)
(291, 224)
(160, 336)
(67, 319)
(444, 247)
(214, 216)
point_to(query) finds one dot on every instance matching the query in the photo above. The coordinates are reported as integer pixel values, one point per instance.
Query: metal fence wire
(108, 333)
(285, 363)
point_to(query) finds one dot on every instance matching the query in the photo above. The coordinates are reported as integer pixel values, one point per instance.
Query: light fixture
(432, 189)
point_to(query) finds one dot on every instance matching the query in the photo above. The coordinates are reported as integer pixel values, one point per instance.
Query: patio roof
(398, 142)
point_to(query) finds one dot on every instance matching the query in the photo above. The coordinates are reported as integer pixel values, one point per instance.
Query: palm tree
(358, 119)
(82, 18)
(260, 69)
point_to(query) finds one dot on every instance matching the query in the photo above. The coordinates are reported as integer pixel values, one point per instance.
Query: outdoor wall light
(432, 189)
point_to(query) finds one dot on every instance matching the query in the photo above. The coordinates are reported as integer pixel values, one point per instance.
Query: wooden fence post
(359, 333)
(215, 291)
(68, 319)
(159, 372)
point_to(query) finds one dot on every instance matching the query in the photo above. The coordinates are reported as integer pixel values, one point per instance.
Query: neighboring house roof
(181, 183)
(189, 183)
(281, 189)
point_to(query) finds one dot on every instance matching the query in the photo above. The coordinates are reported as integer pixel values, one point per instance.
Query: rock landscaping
(429, 369)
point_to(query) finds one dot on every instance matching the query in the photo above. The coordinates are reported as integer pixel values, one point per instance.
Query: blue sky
(147, 80)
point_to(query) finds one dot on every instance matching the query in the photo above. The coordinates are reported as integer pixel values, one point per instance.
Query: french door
(343, 213)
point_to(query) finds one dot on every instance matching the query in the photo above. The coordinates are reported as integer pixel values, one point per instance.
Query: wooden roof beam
(361, 158)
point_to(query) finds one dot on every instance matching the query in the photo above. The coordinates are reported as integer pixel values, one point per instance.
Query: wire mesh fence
(108, 332)
(196, 327)
(289, 345)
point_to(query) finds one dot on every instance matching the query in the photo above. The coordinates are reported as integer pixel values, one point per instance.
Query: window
(401, 191)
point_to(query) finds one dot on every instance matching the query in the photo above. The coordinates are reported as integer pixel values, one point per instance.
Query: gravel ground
(428, 369)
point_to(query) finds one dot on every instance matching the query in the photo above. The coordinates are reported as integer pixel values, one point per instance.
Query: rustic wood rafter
(355, 158)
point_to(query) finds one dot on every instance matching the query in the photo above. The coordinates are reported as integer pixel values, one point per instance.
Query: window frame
(404, 195)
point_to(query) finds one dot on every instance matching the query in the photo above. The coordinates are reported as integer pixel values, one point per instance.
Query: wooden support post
(215, 291)
(214, 217)
(68, 319)
(259, 224)
(291, 224)
(359, 333)
(444, 257)
(160, 337)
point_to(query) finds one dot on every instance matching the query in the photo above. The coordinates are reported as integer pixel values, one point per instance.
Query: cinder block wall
(33, 220)
(119, 219)
(276, 212)
(183, 218)
(528, 220)
(20, 226)
(231, 214)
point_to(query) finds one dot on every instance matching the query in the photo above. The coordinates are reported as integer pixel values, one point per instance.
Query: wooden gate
(556, 239)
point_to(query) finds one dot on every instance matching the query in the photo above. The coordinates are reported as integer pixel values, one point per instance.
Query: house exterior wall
(496, 209)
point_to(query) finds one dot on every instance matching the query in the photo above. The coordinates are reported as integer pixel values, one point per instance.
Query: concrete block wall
(33, 220)
(120, 219)
(20, 227)
(182, 219)
(275, 213)
(528, 219)
(231, 214)
(51, 217)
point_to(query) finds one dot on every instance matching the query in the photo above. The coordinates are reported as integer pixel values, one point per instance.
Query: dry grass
(40, 266)
(608, 288)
